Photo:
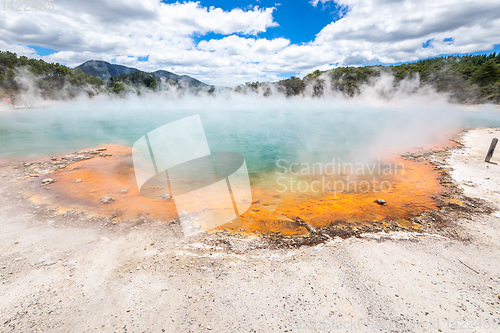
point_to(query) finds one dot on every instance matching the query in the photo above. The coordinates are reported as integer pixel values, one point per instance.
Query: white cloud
(372, 30)
(316, 2)
(397, 31)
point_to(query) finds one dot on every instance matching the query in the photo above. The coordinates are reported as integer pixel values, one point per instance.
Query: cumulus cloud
(168, 34)
(390, 31)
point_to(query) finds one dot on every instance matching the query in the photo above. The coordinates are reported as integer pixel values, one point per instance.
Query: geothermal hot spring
(321, 161)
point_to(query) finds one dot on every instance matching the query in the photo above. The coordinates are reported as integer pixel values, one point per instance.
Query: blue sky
(231, 42)
(298, 21)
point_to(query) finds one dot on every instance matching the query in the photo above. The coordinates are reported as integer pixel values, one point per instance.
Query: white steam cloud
(261, 124)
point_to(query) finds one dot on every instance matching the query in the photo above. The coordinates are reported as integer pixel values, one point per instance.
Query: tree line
(466, 79)
(21, 73)
(53, 80)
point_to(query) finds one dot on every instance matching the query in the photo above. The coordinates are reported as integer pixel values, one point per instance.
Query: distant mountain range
(105, 70)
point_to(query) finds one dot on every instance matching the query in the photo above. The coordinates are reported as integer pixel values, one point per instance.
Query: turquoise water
(262, 130)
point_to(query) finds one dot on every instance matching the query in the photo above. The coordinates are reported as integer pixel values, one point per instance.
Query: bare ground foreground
(72, 273)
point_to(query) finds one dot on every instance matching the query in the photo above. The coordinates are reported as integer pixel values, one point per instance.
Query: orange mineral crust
(81, 186)
(349, 200)
(406, 194)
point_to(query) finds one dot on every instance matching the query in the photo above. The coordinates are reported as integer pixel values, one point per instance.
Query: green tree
(488, 73)
(118, 87)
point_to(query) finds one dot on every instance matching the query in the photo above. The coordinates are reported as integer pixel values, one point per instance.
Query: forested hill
(467, 79)
(23, 76)
(20, 74)
(105, 71)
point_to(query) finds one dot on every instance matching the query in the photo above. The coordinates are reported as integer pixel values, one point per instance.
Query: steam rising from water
(262, 129)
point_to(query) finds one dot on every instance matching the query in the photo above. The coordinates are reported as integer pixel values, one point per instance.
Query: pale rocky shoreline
(60, 273)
